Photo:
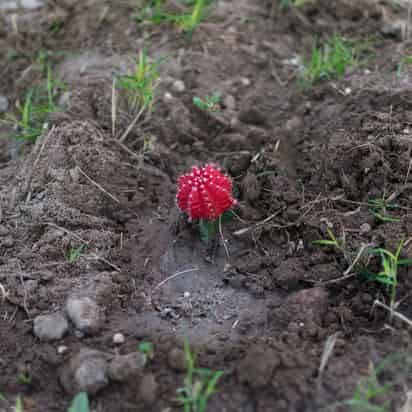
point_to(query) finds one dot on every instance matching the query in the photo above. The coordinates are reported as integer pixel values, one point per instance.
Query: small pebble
(167, 97)
(229, 102)
(245, 81)
(179, 86)
(62, 349)
(118, 338)
(365, 228)
(4, 104)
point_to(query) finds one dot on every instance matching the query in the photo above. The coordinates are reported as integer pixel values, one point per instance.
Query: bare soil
(300, 162)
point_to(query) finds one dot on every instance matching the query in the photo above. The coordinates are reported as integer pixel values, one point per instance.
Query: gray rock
(64, 100)
(179, 86)
(123, 367)
(86, 371)
(148, 389)
(85, 313)
(229, 102)
(4, 104)
(50, 327)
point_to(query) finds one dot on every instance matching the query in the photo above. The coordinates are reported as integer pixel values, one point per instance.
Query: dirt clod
(50, 327)
(124, 367)
(85, 313)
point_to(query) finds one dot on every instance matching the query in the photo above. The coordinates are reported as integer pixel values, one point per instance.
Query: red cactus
(205, 193)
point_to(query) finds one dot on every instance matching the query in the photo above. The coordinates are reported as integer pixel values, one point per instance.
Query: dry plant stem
(131, 125)
(114, 108)
(172, 277)
(223, 239)
(98, 186)
(407, 406)
(3, 292)
(393, 312)
(39, 147)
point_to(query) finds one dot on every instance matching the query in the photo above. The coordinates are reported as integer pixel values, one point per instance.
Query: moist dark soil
(301, 161)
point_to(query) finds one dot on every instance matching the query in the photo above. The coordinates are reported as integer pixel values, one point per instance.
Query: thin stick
(173, 276)
(28, 181)
(247, 229)
(114, 107)
(132, 124)
(393, 312)
(98, 186)
(4, 293)
(356, 260)
(223, 239)
(327, 351)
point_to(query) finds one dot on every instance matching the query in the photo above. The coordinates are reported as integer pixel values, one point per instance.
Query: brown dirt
(299, 162)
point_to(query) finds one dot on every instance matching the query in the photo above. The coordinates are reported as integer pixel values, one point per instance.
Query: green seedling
(286, 4)
(199, 384)
(18, 407)
(209, 103)
(147, 350)
(367, 391)
(388, 374)
(357, 261)
(30, 120)
(140, 86)
(339, 244)
(329, 61)
(80, 403)
(379, 208)
(56, 25)
(153, 12)
(74, 253)
(2, 397)
(24, 378)
(389, 274)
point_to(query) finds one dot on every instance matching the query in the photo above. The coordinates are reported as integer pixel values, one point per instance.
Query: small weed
(153, 12)
(140, 86)
(199, 384)
(2, 397)
(379, 209)
(74, 253)
(39, 102)
(56, 25)
(329, 61)
(389, 273)
(24, 378)
(339, 244)
(146, 348)
(18, 407)
(388, 374)
(287, 4)
(209, 103)
(80, 403)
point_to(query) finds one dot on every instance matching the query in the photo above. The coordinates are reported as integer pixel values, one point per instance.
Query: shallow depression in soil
(197, 304)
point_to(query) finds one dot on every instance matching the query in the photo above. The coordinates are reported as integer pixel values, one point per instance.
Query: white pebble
(245, 81)
(62, 349)
(118, 338)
